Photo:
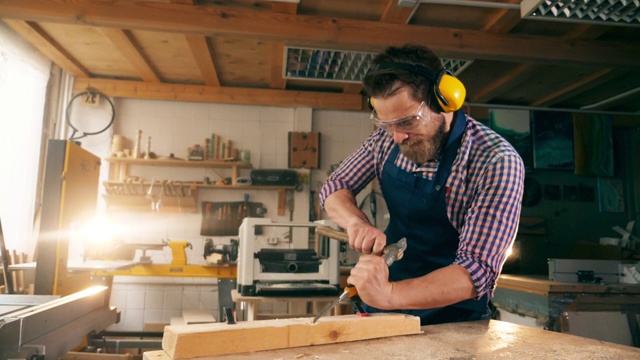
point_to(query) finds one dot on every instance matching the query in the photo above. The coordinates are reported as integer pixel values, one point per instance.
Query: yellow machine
(179, 266)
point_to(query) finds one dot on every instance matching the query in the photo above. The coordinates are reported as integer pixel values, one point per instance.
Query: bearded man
(453, 188)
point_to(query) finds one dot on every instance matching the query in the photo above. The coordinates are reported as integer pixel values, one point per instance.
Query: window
(24, 73)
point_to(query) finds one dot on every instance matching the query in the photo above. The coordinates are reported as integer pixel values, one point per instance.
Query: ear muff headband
(448, 90)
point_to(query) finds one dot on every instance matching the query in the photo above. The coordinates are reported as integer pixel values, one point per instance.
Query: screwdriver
(391, 253)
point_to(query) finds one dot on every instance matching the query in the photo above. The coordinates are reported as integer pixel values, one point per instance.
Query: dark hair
(384, 81)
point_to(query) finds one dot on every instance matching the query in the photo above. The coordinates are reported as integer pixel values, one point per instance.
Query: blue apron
(419, 212)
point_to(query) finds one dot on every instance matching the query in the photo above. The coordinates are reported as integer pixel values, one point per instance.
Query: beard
(422, 148)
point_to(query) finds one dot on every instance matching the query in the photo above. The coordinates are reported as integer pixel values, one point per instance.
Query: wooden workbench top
(470, 340)
(543, 286)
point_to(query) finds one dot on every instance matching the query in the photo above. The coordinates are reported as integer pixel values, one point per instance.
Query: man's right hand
(365, 238)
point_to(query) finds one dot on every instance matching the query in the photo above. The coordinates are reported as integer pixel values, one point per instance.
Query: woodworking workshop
(319, 179)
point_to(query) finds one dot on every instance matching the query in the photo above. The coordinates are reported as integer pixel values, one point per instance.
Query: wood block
(192, 341)
(304, 150)
(177, 320)
(197, 317)
(156, 355)
(154, 327)
(94, 356)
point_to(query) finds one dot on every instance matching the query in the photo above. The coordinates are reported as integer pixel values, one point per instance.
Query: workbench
(251, 304)
(550, 301)
(469, 340)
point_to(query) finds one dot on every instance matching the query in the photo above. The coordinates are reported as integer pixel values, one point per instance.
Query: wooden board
(192, 341)
(541, 285)
(304, 150)
(481, 340)
(197, 317)
(98, 356)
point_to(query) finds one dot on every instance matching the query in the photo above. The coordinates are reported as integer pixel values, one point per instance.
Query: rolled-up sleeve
(491, 222)
(355, 172)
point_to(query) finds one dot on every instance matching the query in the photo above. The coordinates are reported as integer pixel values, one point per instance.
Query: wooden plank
(216, 94)
(48, 46)
(395, 14)
(192, 341)
(468, 340)
(156, 355)
(201, 51)
(308, 30)
(282, 7)
(277, 80)
(197, 317)
(125, 43)
(98, 356)
(543, 286)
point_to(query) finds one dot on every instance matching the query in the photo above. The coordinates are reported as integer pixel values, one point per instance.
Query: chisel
(390, 254)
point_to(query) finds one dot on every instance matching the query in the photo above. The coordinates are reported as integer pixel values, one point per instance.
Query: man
(452, 186)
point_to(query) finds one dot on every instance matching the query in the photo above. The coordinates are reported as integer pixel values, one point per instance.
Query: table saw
(45, 327)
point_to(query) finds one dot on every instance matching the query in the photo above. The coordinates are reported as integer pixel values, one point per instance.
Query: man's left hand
(370, 277)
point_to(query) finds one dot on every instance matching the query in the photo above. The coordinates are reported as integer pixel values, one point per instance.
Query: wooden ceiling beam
(394, 14)
(127, 46)
(503, 20)
(322, 31)
(39, 38)
(583, 31)
(202, 54)
(352, 88)
(558, 95)
(284, 7)
(214, 94)
(507, 81)
(277, 80)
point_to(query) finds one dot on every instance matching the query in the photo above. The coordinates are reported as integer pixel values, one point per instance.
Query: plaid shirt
(483, 194)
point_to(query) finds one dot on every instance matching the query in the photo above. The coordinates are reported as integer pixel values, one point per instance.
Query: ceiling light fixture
(610, 12)
(339, 65)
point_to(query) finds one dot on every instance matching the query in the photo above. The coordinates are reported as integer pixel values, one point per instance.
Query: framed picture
(611, 195)
(515, 127)
(552, 140)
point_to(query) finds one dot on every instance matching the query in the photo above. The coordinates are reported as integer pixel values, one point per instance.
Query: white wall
(173, 127)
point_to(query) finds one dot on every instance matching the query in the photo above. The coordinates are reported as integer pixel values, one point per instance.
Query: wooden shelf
(181, 163)
(141, 203)
(177, 195)
(194, 185)
(119, 169)
(241, 187)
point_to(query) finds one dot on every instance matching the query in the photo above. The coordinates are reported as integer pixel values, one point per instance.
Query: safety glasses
(406, 124)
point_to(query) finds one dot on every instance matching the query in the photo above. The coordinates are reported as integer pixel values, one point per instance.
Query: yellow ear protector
(448, 90)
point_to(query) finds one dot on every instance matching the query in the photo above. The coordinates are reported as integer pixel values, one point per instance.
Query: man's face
(419, 132)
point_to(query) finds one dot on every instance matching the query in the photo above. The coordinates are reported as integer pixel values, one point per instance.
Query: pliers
(390, 254)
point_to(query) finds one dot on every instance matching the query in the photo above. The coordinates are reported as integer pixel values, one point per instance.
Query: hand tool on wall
(390, 254)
